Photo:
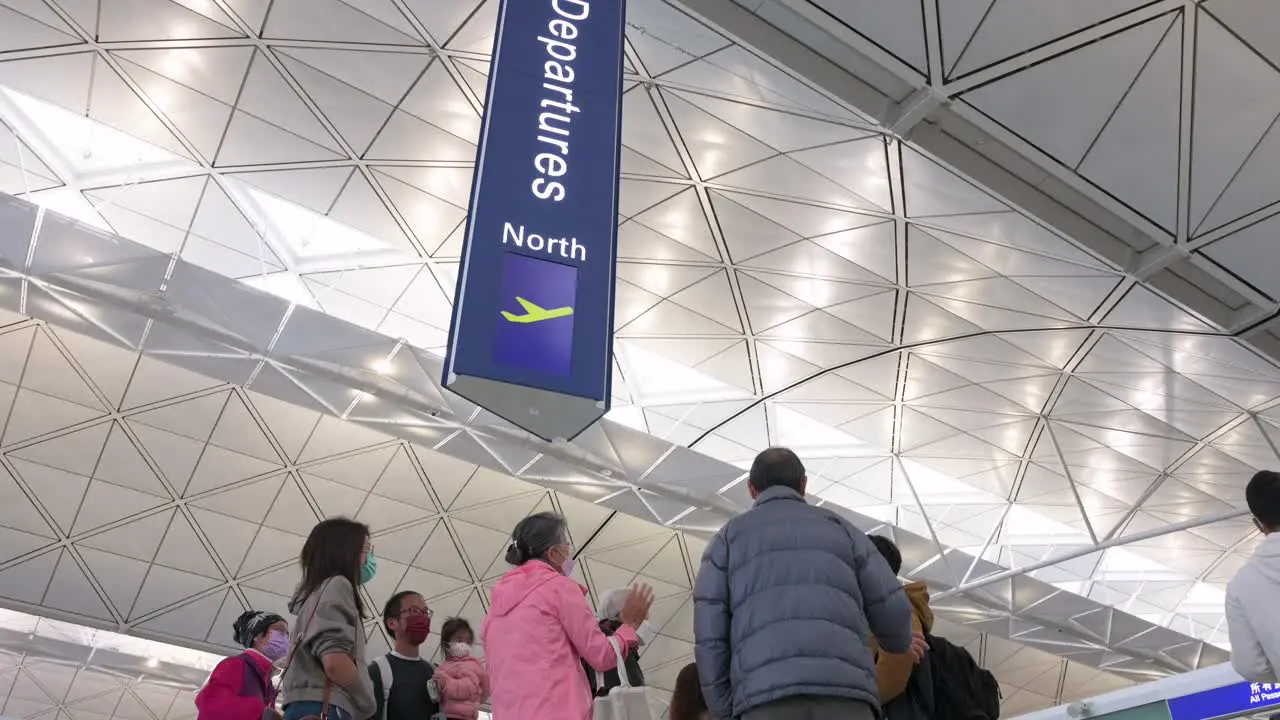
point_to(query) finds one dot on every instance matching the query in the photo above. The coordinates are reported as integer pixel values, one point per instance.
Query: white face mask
(459, 649)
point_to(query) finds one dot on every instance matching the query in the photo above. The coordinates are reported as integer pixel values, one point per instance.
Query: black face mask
(610, 627)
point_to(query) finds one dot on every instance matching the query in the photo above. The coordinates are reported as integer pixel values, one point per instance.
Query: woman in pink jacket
(540, 628)
(463, 681)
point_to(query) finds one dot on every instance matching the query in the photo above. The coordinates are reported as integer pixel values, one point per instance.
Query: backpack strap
(383, 663)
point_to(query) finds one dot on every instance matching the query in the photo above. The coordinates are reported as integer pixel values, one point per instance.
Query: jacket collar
(778, 492)
(257, 658)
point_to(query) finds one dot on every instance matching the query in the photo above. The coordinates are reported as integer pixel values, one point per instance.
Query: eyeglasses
(418, 612)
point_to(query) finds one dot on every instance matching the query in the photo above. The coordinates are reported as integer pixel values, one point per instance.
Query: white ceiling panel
(946, 363)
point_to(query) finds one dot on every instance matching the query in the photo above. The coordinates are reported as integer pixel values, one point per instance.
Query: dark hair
(534, 537)
(687, 702)
(777, 466)
(332, 550)
(890, 552)
(452, 627)
(252, 625)
(1263, 497)
(391, 610)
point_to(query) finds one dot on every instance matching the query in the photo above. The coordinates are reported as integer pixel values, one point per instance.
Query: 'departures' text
(555, 121)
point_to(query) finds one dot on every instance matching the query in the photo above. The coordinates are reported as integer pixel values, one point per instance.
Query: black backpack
(961, 689)
(916, 701)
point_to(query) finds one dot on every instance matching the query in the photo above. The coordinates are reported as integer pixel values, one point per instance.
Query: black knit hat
(252, 624)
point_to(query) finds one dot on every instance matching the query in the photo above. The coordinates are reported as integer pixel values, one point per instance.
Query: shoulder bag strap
(302, 632)
(618, 646)
(328, 694)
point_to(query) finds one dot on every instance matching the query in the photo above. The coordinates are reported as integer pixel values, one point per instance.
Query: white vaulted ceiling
(189, 504)
(53, 669)
(946, 363)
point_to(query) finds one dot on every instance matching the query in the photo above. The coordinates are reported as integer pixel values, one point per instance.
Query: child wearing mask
(463, 681)
(403, 680)
(240, 687)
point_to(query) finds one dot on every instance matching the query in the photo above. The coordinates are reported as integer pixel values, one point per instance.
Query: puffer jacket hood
(1251, 617)
(918, 594)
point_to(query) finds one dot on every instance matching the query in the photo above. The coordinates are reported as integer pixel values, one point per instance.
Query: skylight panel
(105, 640)
(656, 380)
(814, 439)
(69, 202)
(1023, 526)
(935, 488)
(311, 236)
(1203, 599)
(310, 241)
(629, 416)
(1120, 565)
(92, 150)
(284, 285)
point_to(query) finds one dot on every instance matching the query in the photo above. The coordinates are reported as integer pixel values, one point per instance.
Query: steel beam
(1118, 541)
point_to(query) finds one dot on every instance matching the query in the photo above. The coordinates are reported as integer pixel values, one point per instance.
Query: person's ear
(804, 483)
(752, 489)
(1261, 528)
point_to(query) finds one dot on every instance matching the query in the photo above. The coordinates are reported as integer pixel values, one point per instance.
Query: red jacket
(464, 686)
(239, 689)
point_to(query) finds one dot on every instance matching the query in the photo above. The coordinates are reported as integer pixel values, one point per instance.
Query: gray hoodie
(1252, 620)
(335, 627)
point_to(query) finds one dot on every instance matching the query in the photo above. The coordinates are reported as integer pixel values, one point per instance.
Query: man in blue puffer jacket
(786, 600)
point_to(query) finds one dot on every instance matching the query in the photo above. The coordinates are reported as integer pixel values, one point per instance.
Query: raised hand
(635, 609)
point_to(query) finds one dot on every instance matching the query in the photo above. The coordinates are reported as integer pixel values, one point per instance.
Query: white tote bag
(624, 702)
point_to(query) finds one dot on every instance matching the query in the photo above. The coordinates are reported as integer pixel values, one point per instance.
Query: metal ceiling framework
(52, 669)
(1143, 169)
(169, 516)
(992, 371)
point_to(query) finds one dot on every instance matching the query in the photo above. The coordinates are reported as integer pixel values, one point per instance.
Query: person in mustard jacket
(894, 671)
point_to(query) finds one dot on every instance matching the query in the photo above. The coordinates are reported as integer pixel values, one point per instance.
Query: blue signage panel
(536, 332)
(533, 308)
(1223, 702)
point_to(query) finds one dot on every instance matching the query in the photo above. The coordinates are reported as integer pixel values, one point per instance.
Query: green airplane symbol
(534, 313)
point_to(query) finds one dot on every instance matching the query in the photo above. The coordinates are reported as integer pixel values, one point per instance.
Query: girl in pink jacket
(540, 628)
(463, 681)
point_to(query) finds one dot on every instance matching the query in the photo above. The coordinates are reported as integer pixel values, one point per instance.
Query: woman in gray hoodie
(327, 665)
